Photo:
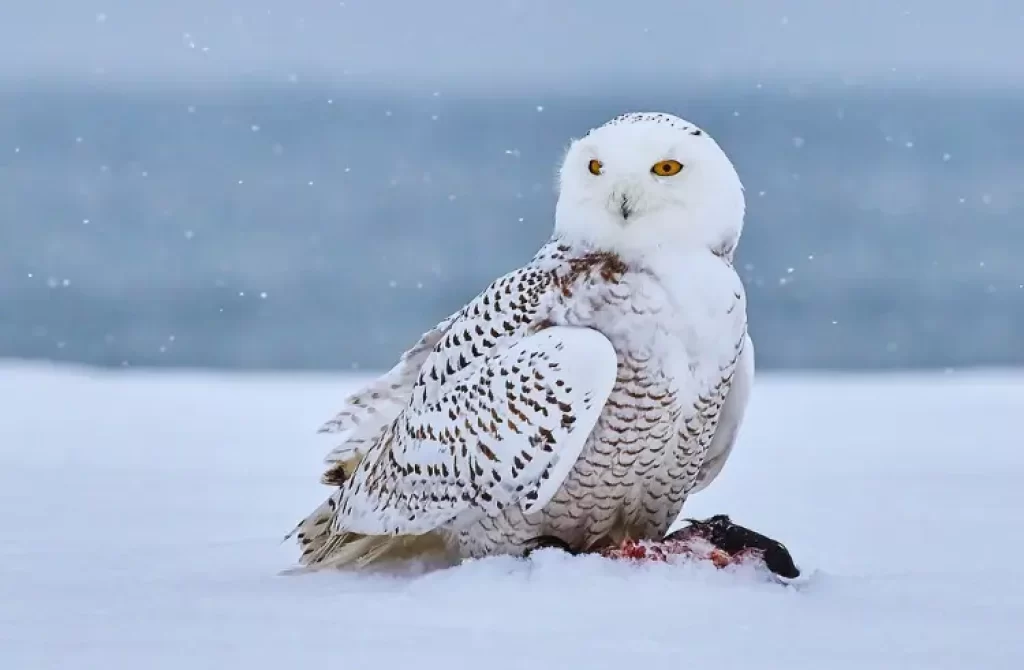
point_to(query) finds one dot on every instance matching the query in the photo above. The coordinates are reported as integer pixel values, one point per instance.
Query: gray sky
(532, 40)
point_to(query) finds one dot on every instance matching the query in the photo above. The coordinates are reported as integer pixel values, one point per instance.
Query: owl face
(644, 179)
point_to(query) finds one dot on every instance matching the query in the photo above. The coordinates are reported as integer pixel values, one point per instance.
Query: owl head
(649, 182)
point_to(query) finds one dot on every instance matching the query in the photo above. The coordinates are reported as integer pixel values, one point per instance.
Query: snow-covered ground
(142, 515)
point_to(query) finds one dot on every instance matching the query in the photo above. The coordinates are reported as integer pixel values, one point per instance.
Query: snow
(143, 512)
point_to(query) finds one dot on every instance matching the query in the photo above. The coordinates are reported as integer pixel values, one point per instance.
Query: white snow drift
(142, 515)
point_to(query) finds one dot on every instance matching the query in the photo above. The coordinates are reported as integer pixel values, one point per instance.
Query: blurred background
(310, 184)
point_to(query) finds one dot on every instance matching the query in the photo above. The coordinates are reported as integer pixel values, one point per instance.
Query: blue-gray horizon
(510, 40)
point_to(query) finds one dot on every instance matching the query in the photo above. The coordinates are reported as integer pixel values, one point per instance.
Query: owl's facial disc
(629, 189)
(648, 181)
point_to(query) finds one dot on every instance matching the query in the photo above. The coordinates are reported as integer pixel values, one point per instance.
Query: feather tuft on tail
(363, 419)
(323, 549)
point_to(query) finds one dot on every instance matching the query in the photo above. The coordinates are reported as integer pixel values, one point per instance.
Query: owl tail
(323, 549)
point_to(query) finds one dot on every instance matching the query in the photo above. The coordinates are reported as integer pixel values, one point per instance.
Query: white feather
(730, 419)
(366, 413)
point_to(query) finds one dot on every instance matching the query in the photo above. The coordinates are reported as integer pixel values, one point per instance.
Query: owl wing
(366, 413)
(499, 413)
(729, 418)
(505, 431)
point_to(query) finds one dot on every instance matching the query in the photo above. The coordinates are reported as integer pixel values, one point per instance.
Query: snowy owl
(576, 401)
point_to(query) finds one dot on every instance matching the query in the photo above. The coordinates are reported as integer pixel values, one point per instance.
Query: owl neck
(648, 241)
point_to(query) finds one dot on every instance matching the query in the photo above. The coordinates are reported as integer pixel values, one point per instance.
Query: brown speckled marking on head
(649, 117)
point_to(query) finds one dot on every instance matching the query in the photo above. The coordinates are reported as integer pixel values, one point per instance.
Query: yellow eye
(595, 166)
(666, 168)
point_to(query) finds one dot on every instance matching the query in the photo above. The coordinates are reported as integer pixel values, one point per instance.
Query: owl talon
(548, 542)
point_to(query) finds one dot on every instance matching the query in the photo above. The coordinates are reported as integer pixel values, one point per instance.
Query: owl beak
(625, 207)
(623, 202)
